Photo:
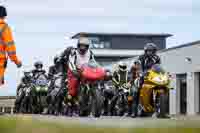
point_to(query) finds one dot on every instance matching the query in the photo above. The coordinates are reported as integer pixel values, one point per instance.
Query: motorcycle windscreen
(157, 68)
(93, 73)
(41, 81)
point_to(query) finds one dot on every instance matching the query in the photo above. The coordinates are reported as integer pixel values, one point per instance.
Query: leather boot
(135, 105)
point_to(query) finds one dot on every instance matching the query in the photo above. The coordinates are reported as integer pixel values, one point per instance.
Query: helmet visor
(39, 66)
(83, 48)
(123, 67)
(149, 52)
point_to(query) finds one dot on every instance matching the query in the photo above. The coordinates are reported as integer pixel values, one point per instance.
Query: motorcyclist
(79, 56)
(38, 70)
(64, 61)
(55, 73)
(135, 71)
(53, 70)
(150, 57)
(119, 78)
(108, 91)
(26, 80)
(60, 63)
(147, 60)
(65, 55)
(56, 67)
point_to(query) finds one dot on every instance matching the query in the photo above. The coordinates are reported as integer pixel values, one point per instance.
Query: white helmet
(122, 66)
(84, 40)
(83, 45)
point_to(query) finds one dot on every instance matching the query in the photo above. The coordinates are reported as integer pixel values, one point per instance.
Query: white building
(183, 62)
(7, 104)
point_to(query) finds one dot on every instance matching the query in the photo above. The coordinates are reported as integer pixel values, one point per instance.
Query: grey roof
(181, 46)
(172, 48)
(164, 50)
(121, 34)
(176, 47)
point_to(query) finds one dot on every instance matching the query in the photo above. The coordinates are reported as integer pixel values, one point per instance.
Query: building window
(100, 43)
(7, 109)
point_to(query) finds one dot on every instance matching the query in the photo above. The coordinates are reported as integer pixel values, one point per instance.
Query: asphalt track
(119, 122)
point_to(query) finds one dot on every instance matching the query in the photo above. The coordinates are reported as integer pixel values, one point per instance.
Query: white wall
(175, 60)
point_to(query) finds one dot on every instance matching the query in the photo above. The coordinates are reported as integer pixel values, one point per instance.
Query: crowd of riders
(64, 80)
(77, 85)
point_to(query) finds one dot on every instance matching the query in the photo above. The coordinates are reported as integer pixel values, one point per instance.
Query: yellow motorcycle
(154, 92)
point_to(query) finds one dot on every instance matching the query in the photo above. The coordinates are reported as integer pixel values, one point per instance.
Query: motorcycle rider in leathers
(64, 60)
(60, 65)
(147, 60)
(38, 70)
(56, 69)
(25, 81)
(120, 77)
(79, 56)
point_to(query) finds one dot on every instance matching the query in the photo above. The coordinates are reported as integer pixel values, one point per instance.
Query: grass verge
(29, 125)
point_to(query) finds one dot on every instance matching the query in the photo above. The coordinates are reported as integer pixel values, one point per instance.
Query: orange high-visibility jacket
(7, 45)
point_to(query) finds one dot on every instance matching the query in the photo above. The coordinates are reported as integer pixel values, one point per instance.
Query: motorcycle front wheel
(84, 104)
(97, 103)
(163, 105)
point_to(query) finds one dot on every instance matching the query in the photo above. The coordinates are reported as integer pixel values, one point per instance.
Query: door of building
(199, 90)
(182, 79)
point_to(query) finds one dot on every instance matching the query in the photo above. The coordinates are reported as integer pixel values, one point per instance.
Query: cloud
(104, 8)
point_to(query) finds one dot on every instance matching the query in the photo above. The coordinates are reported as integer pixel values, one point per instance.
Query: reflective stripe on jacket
(7, 45)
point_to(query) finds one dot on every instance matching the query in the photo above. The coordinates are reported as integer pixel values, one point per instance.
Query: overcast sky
(40, 26)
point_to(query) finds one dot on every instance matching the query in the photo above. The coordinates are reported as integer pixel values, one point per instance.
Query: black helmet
(68, 50)
(150, 48)
(56, 59)
(108, 75)
(3, 11)
(137, 62)
(27, 74)
(38, 64)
